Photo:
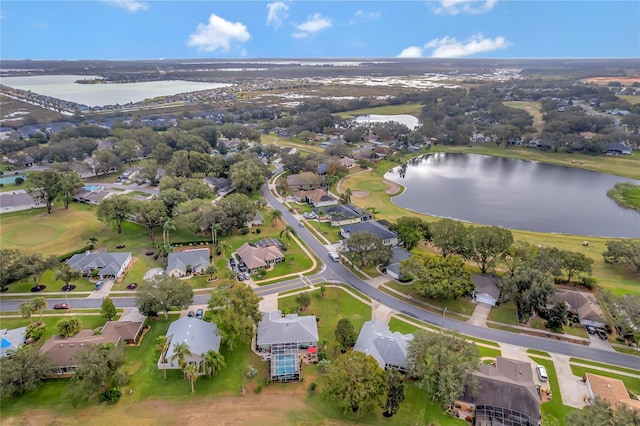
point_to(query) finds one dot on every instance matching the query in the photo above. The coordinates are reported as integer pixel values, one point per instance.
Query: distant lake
(64, 87)
(515, 194)
(408, 120)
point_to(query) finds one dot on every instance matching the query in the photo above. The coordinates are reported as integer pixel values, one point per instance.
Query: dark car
(232, 263)
(240, 277)
(191, 314)
(61, 306)
(199, 313)
(602, 334)
(590, 329)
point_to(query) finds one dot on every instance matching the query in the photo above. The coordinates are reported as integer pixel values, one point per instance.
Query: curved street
(334, 271)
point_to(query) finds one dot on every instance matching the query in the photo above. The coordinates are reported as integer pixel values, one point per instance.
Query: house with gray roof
(197, 260)
(107, 264)
(276, 329)
(389, 238)
(581, 304)
(506, 394)
(13, 201)
(399, 254)
(342, 214)
(388, 348)
(11, 340)
(487, 290)
(219, 184)
(201, 337)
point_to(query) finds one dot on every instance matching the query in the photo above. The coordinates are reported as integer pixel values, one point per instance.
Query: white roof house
(201, 337)
(11, 340)
(388, 348)
(276, 329)
(108, 264)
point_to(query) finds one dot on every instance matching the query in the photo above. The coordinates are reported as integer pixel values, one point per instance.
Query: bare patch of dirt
(392, 188)
(360, 194)
(627, 81)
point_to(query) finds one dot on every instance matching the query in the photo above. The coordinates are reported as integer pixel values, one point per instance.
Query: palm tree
(181, 351)
(213, 362)
(288, 231)
(39, 304)
(92, 240)
(162, 344)
(26, 310)
(191, 371)
(169, 225)
(275, 216)
(373, 212)
(215, 228)
(224, 247)
(211, 270)
(346, 196)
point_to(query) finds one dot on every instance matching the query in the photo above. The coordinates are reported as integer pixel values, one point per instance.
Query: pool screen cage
(285, 362)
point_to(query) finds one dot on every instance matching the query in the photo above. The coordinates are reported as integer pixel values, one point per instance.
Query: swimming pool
(92, 188)
(285, 364)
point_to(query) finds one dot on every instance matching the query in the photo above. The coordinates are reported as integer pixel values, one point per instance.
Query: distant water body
(516, 194)
(64, 87)
(408, 120)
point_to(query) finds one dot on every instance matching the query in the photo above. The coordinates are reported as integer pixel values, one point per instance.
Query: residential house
(388, 348)
(611, 390)
(317, 197)
(5, 132)
(107, 264)
(257, 220)
(200, 336)
(304, 181)
(281, 338)
(343, 214)
(389, 238)
(18, 200)
(276, 329)
(487, 290)
(256, 258)
(506, 394)
(129, 174)
(581, 304)
(106, 144)
(619, 148)
(477, 138)
(92, 196)
(124, 331)
(182, 263)
(11, 340)
(399, 254)
(219, 184)
(347, 162)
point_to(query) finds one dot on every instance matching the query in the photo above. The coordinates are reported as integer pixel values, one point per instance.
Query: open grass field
(273, 139)
(619, 279)
(632, 99)
(9, 106)
(553, 408)
(532, 107)
(409, 108)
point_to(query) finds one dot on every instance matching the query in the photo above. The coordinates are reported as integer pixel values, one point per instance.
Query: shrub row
(67, 256)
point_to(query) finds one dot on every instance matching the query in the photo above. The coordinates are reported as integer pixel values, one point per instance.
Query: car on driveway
(199, 313)
(240, 277)
(99, 285)
(246, 276)
(61, 306)
(601, 334)
(191, 314)
(590, 329)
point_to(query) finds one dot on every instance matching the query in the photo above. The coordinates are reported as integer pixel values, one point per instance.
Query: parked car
(590, 329)
(61, 306)
(232, 262)
(191, 314)
(240, 277)
(542, 373)
(246, 276)
(199, 313)
(99, 285)
(601, 334)
(334, 256)
(242, 268)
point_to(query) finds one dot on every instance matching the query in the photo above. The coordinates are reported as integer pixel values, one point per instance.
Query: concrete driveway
(598, 343)
(104, 290)
(480, 315)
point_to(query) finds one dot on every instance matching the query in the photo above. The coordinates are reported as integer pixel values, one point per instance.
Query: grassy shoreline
(626, 195)
(619, 279)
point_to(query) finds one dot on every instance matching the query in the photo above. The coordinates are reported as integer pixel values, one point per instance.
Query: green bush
(588, 281)
(35, 331)
(258, 230)
(68, 256)
(313, 386)
(258, 389)
(111, 395)
(244, 231)
(19, 180)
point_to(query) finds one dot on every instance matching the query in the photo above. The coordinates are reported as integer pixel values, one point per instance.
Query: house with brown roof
(304, 181)
(317, 197)
(611, 390)
(64, 351)
(506, 394)
(347, 162)
(256, 258)
(581, 304)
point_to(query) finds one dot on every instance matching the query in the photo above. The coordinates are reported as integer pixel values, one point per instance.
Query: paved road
(334, 271)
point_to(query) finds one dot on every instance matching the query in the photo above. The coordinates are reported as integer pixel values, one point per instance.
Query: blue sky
(132, 29)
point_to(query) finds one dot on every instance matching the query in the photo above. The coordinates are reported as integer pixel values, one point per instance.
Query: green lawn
(632, 383)
(408, 108)
(601, 365)
(332, 234)
(537, 352)
(335, 305)
(506, 313)
(576, 330)
(553, 408)
(488, 352)
(89, 322)
(461, 305)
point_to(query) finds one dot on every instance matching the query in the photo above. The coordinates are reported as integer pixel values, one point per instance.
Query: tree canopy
(97, 368)
(602, 413)
(438, 277)
(23, 371)
(626, 252)
(366, 249)
(235, 311)
(449, 236)
(529, 288)
(411, 231)
(484, 244)
(162, 294)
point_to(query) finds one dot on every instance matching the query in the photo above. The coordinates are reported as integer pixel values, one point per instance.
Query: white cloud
(218, 34)
(411, 52)
(362, 16)
(450, 47)
(474, 7)
(277, 13)
(130, 5)
(315, 23)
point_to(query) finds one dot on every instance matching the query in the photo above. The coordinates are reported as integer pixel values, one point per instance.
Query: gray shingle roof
(370, 226)
(389, 349)
(274, 329)
(108, 263)
(198, 258)
(486, 284)
(201, 336)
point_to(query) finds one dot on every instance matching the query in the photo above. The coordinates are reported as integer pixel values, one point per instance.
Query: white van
(334, 256)
(542, 373)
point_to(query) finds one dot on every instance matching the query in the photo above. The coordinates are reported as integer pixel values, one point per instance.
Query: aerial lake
(64, 87)
(515, 194)
(408, 120)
